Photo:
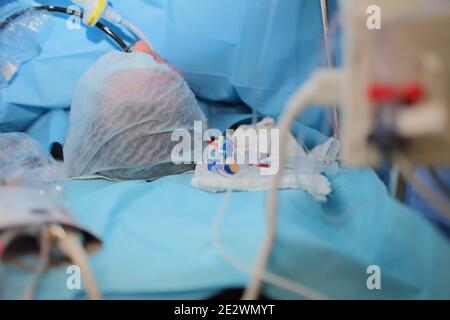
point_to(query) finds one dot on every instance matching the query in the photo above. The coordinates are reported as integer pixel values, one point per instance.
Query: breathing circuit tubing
(67, 11)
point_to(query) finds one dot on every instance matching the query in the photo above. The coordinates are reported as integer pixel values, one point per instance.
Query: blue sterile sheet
(216, 44)
(157, 241)
(157, 236)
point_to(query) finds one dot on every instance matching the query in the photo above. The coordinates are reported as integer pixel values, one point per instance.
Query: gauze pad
(302, 169)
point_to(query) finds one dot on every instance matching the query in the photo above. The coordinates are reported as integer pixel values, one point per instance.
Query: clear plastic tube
(276, 280)
(322, 88)
(439, 202)
(44, 259)
(329, 57)
(265, 46)
(21, 38)
(113, 16)
(309, 165)
(70, 245)
(137, 32)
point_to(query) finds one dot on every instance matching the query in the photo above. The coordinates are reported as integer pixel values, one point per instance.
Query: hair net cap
(124, 111)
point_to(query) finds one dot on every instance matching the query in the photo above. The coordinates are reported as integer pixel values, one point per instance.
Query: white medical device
(93, 10)
(394, 93)
(32, 224)
(25, 210)
(396, 81)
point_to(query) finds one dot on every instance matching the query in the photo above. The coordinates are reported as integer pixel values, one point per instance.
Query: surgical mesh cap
(124, 111)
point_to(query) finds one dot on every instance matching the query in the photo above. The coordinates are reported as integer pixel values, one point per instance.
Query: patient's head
(124, 111)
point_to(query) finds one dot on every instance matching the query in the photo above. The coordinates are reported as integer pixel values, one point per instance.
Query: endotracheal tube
(96, 9)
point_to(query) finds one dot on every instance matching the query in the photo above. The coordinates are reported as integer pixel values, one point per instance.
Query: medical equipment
(250, 179)
(69, 244)
(395, 92)
(229, 164)
(124, 111)
(29, 186)
(18, 14)
(30, 222)
(329, 56)
(22, 45)
(22, 41)
(268, 277)
(23, 161)
(186, 102)
(265, 46)
(93, 10)
(397, 80)
(96, 9)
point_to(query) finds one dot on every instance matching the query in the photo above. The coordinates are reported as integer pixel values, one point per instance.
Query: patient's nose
(141, 46)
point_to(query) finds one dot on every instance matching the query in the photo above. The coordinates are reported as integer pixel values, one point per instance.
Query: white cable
(323, 89)
(70, 245)
(279, 281)
(6, 238)
(268, 277)
(44, 258)
(262, 54)
(137, 32)
(435, 199)
(329, 58)
(113, 16)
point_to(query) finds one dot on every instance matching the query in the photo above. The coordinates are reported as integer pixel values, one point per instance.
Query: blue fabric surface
(216, 44)
(415, 199)
(156, 248)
